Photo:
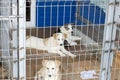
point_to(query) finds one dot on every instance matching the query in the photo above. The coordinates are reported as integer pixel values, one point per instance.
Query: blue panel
(58, 13)
(92, 13)
(54, 13)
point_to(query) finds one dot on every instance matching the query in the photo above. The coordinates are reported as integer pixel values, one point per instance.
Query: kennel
(97, 22)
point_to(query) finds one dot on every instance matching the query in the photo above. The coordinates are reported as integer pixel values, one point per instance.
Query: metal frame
(16, 22)
(108, 42)
(19, 33)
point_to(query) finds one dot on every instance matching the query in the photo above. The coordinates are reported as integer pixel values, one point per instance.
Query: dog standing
(49, 71)
(53, 44)
(68, 30)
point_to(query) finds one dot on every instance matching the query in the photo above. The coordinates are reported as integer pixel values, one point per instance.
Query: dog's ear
(73, 26)
(66, 25)
(58, 63)
(65, 35)
(44, 62)
(55, 35)
(59, 30)
(72, 23)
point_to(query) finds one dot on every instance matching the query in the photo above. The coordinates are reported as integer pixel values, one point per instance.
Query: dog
(53, 44)
(68, 29)
(49, 71)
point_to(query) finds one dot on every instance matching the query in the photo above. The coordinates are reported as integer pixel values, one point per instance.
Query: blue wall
(54, 13)
(92, 13)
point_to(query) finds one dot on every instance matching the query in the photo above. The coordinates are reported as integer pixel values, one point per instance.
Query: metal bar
(21, 39)
(108, 45)
(14, 35)
(18, 38)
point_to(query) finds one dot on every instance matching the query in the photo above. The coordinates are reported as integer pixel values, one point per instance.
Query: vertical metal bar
(21, 39)
(19, 33)
(18, 39)
(108, 45)
(14, 35)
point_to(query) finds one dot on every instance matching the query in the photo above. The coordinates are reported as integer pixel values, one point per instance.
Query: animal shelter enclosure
(59, 40)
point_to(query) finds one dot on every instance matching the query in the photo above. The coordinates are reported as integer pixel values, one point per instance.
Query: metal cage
(96, 24)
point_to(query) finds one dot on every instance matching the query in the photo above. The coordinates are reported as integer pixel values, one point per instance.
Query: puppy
(68, 30)
(49, 71)
(53, 44)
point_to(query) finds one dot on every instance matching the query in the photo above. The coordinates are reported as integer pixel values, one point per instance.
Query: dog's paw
(73, 43)
(73, 56)
(63, 55)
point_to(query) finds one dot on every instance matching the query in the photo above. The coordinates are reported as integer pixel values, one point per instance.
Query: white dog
(49, 71)
(68, 30)
(53, 44)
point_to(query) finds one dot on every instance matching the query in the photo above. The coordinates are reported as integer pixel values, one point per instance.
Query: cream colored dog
(53, 44)
(68, 30)
(49, 71)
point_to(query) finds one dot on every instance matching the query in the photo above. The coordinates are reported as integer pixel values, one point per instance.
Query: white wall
(100, 3)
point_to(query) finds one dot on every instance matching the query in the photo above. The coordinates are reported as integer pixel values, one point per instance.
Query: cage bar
(22, 40)
(108, 42)
(94, 50)
(19, 55)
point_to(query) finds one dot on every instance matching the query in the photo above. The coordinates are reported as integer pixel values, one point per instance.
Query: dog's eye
(47, 68)
(53, 68)
(58, 39)
(67, 28)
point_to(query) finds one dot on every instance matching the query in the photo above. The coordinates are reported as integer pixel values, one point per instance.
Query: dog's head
(67, 28)
(60, 37)
(51, 67)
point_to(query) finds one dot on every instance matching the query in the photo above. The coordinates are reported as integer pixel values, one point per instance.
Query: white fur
(70, 38)
(49, 71)
(53, 44)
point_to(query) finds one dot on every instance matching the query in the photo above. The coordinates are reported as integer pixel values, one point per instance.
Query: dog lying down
(53, 44)
(49, 71)
(68, 30)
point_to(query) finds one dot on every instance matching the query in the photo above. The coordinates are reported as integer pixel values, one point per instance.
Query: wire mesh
(5, 56)
(44, 18)
(87, 17)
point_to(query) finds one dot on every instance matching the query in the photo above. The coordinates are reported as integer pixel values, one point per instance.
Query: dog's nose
(61, 44)
(72, 32)
(49, 75)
